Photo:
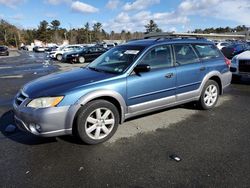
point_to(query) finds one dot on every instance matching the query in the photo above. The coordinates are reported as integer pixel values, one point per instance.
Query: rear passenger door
(189, 69)
(211, 57)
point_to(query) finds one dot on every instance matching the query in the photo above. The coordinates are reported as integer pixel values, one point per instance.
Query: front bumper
(4, 53)
(50, 121)
(235, 71)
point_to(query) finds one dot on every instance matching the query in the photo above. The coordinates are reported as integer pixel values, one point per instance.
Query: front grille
(244, 65)
(20, 98)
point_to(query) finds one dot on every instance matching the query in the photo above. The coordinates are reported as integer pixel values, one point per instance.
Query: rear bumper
(226, 79)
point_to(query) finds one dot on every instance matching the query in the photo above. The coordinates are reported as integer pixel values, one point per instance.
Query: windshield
(116, 60)
(2, 48)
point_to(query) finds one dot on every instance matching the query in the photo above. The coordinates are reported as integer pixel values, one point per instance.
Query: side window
(158, 57)
(207, 51)
(185, 54)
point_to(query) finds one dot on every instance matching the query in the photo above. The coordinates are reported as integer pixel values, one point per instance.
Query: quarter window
(185, 54)
(207, 51)
(159, 57)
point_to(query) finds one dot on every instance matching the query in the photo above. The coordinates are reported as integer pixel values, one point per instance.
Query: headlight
(75, 55)
(45, 102)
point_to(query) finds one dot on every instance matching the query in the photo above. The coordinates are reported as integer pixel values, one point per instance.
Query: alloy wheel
(99, 123)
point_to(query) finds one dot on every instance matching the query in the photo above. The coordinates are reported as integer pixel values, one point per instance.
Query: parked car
(128, 80)
(234, 49)
(221, 45)
(51, 48)
(4, 51)
(87, 54)
(39, 49)
(241, 65)
(58, 54)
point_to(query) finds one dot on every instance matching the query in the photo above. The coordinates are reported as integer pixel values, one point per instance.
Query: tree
(97, 31)
(152, 27)
(55, 24)
(42, 31)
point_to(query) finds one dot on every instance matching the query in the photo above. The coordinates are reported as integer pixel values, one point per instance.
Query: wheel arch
(214, 75)
(108, 95)
(218, 81)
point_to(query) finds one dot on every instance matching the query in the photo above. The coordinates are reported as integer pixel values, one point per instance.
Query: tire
(209, 95)
(92, 129)
(81, 59)
(59, 57)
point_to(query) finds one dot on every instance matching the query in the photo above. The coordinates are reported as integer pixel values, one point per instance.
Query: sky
(128, 15)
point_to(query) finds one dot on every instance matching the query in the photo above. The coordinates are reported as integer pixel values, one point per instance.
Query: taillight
(228, 62)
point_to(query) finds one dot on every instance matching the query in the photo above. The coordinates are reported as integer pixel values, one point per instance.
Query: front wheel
(97, 122)
(209, 95)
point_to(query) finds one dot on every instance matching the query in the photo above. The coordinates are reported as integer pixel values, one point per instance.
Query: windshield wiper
(95, 69)
(101, 70)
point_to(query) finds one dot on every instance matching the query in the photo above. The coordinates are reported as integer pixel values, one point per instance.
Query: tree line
(52, 32)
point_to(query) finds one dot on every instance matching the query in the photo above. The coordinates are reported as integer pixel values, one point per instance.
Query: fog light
(35, 128)
(38, 128)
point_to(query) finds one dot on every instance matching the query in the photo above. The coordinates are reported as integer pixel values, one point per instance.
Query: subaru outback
(128, 80)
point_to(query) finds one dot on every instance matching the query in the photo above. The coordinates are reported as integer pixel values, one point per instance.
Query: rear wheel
(209, 95)
(59, 57)
(81, 59)
(97, 122)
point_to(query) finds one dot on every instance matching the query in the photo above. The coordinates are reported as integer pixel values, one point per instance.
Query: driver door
(154, 88)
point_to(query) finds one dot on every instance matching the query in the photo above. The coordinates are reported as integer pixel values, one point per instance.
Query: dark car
(87, 54)
(50, 49)
(4, 51)
(234, 49)
(39, 49)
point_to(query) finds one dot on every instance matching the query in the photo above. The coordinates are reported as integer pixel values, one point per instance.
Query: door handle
(169, 75)
(202, 68)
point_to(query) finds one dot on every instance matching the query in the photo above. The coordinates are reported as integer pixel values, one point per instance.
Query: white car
(240, 65)
(221, 45)
(58, 54)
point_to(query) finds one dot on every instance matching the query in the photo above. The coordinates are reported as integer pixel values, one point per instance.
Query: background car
(39, 49)
(241, 65)
(52, 48)
(234, 49)
(221, 45)
(58, 53)
(85, 55)
(4, 51)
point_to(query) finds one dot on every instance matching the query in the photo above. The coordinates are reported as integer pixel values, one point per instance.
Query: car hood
(61, 83)
(244, 55)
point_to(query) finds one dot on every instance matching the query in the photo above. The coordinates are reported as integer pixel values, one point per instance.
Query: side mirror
(142, 68)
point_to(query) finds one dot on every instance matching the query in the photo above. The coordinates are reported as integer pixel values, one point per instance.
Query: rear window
(224, 44)
(207, 51)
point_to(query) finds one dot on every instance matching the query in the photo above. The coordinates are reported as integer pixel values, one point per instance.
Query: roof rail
(170, 35)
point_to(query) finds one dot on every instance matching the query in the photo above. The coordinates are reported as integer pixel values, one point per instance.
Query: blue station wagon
(128, 80)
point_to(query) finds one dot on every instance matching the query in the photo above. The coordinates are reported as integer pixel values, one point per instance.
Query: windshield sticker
(131, 52)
